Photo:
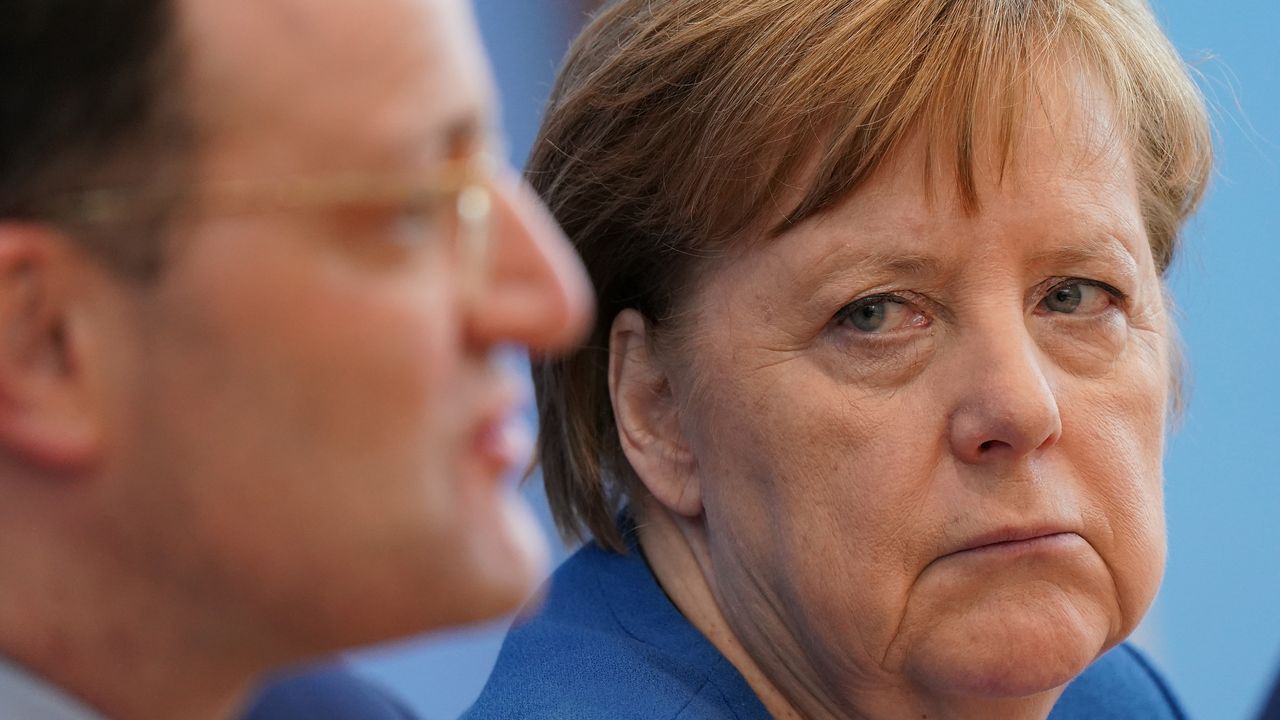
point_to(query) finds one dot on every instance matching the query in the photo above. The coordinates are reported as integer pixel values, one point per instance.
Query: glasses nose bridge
(474, 209)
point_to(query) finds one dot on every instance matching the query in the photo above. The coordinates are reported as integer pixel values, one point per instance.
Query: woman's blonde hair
(678, 125)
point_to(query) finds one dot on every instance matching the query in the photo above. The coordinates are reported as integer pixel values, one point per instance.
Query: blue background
(1216, 627)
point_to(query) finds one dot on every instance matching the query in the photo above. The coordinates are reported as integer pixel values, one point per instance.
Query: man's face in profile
(309, 426)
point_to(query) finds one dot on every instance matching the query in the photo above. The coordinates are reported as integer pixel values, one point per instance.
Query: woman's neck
(678, 554)
(678, 565)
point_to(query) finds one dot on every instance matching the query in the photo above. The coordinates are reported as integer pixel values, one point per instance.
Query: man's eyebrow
(463, 135)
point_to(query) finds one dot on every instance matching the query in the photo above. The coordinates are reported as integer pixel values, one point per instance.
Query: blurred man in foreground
(254, 260)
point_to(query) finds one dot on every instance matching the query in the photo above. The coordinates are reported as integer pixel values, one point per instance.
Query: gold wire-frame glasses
(463, 186)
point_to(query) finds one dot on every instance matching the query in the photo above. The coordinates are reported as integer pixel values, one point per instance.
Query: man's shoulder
(1121, 685)
(327, 693)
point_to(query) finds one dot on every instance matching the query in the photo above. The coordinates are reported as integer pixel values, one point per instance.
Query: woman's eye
(1079, 297)
(880, 315)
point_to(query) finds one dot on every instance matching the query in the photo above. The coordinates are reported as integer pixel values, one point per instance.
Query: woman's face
(927, 439)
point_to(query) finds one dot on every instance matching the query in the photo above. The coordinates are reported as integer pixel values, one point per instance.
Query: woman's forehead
(1065, 136)
(1063, 120)
(1055, 208)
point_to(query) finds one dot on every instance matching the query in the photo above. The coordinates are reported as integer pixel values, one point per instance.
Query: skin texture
(819, 485)
(294, 441)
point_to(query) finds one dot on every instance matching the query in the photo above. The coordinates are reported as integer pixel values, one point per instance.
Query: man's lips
(500, 441)
(497, 437)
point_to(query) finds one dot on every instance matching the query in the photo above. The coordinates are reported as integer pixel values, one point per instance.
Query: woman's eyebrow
(846, 259)
(1106, 250)
(834, 269)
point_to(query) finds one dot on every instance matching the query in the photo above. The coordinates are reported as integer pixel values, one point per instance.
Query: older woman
(872, 420)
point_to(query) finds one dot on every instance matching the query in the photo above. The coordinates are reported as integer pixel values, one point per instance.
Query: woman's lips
(1018, 541)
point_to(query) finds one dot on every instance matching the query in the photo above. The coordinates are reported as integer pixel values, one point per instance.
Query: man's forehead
(396, 72)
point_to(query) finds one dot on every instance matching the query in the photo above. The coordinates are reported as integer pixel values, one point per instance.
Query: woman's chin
(1009, 649)
(1003, 624)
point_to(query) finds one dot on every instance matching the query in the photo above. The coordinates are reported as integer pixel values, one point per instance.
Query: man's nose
(1006, 407)
(536, 293)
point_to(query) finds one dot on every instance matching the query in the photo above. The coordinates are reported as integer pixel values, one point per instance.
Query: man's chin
(508, 560)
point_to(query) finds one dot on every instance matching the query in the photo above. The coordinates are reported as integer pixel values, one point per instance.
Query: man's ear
(648, 418)
(46, 409)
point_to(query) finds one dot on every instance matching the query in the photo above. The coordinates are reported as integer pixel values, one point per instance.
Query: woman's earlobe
(648, 418)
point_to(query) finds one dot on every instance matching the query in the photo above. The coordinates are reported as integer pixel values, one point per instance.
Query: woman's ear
(648, 418)
(46, 416)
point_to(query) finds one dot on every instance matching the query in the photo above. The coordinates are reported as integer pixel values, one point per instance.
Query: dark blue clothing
(609, 645)
(329, 693)
(1272, 709)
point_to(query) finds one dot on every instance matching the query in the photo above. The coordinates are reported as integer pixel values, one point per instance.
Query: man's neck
(125, 687)
(24, 695)
(116, 642)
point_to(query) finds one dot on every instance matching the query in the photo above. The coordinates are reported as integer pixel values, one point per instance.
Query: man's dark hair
(90, 97)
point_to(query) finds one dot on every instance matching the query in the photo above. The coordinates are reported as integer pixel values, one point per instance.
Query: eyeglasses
(463, 188)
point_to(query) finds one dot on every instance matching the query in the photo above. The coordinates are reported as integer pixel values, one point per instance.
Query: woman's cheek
(1116, 441)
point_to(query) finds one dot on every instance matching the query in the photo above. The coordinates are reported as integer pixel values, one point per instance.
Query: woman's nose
(1006, 407)
(536, 292)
